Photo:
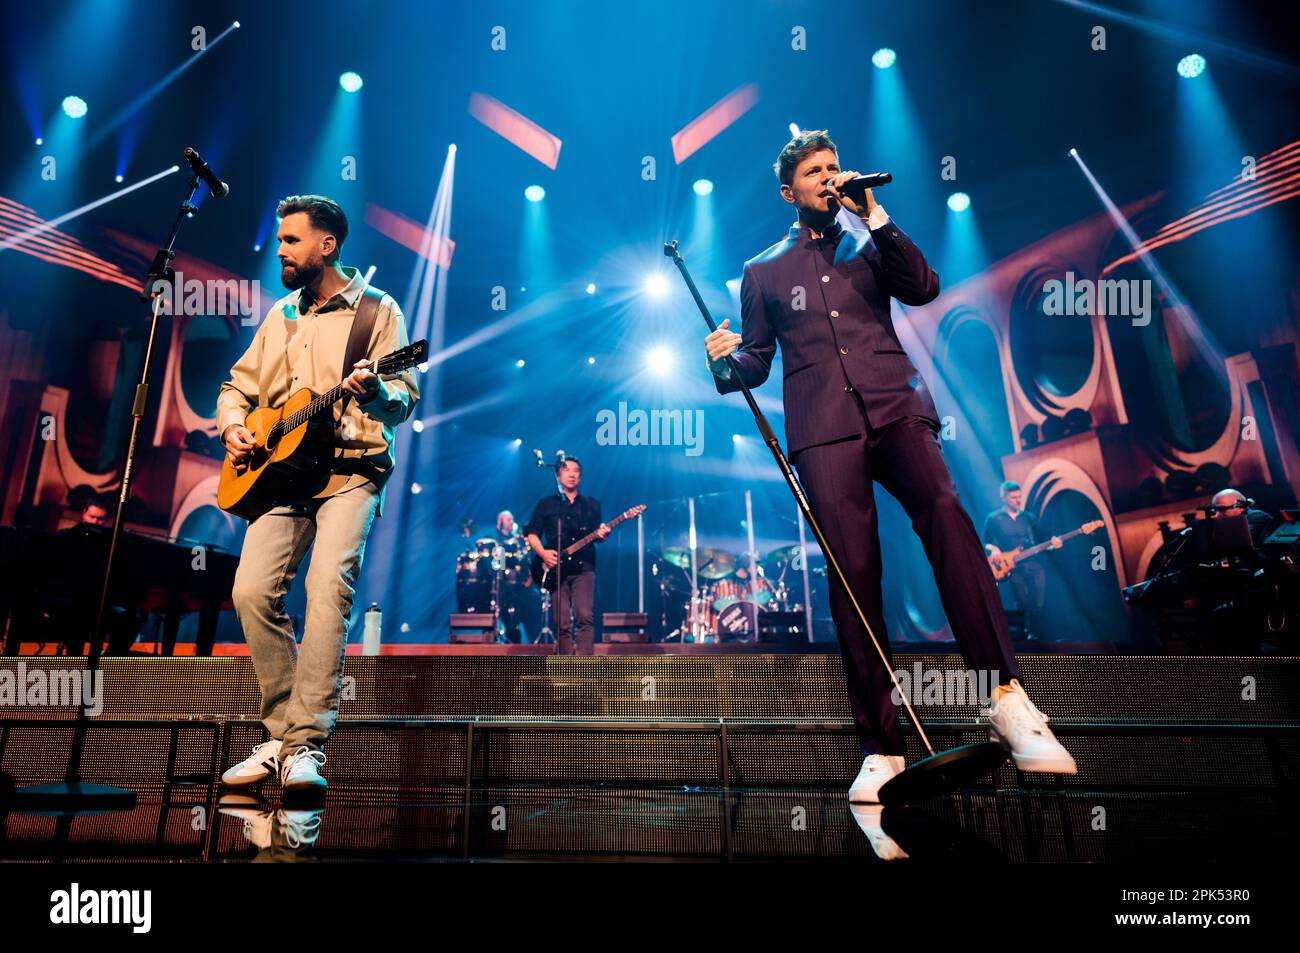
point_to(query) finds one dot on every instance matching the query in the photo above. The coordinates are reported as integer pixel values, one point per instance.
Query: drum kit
(492, 576)
(729, 593)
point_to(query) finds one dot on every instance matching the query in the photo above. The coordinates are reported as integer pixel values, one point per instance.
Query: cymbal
(786, 554)
(676, 556)
(711, 563)
(716, 563)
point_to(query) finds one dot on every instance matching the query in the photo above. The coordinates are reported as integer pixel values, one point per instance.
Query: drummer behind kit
(492, 577)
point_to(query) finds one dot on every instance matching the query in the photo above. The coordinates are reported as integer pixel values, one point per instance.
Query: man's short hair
(324, 213)
(798, 149)
(568, 460)
(1009, 486)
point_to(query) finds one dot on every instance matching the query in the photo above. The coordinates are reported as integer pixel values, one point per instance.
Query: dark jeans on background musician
(576, 591)
(905, 458)
(1026, 589)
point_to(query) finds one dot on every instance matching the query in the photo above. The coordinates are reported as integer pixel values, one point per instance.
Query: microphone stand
(938, 773)
(72, 795)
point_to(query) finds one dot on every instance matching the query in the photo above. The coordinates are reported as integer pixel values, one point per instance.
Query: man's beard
(295, 278)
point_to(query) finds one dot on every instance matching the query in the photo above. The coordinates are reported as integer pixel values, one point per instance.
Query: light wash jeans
(300, 689)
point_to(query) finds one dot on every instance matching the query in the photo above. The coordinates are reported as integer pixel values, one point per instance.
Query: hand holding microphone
(853, 191)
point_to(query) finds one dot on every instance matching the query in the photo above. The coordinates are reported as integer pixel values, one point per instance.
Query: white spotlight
(660, 360)
(656, 286)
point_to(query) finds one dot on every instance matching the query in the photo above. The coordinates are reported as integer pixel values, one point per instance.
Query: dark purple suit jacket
(843, 340)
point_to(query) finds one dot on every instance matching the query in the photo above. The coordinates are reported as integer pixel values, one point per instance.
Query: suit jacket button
(844, 350)
(835, 314)
(848, 388)
(825, 278)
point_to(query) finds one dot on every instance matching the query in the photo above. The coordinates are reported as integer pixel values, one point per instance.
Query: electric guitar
(1004, 563)
(294, 444)
(546, 578)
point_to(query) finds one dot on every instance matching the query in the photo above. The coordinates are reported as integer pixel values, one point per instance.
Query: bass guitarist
(303, 343)
(572, 516)
(1010, 528)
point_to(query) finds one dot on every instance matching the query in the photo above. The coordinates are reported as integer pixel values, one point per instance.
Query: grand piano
(52, 580)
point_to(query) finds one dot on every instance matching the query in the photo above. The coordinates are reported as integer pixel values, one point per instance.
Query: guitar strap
(363, 326)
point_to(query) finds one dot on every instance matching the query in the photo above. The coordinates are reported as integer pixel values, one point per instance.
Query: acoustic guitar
(294, 444)
(546, 578)
(1003, 564)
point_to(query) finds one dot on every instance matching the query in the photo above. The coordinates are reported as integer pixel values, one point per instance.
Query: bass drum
(473, 583)
(736, 622)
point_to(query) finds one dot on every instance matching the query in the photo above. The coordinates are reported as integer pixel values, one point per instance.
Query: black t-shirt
(578, 518)
(1006, 533)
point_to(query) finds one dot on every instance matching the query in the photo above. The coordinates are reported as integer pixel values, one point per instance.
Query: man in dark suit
(857, 411)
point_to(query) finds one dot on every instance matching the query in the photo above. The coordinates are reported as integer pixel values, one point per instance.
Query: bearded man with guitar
(330, 320)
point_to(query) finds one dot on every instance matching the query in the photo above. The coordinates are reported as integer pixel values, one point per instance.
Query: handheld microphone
(200, 168)
(856, 188)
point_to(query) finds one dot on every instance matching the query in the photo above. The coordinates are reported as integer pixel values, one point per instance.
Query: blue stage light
(417, 426)
(1191, 66)
(703, 186)
(883, 58)
(117, 178)
(534, 193)
(959, 201)
(350, 82)
(40, 141)
(656, 286)
(591, 360)
(519, 363)
(74, 106)
(591, 288)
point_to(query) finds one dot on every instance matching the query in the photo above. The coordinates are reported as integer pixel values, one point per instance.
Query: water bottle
(371, 633)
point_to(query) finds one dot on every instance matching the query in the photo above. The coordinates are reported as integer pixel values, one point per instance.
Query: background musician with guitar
(331, 320)
(1008, 528)
(573, 516)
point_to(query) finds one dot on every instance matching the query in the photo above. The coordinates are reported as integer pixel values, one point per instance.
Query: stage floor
(610, 823)
(662, 758)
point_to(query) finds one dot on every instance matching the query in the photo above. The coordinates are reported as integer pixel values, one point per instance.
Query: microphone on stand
(204, 171)
(538, 454)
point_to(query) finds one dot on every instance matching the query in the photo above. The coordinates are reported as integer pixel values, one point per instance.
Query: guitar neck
(390, 364)
(574, 547)
(1043, 547)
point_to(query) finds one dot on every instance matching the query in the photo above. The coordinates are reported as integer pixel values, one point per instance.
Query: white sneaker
(876, 770)
(301, 772)
(260, 765)
(868, 818)
(1022, 729)
(299, 828)
(257, 823)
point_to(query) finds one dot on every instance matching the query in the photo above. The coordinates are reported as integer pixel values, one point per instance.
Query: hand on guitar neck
(240, 444)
